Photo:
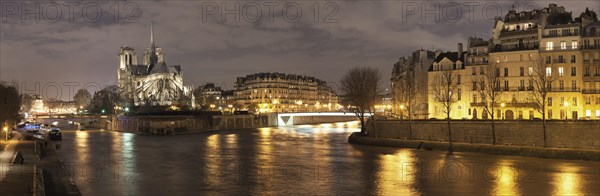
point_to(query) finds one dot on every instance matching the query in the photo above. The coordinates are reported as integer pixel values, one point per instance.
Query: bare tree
(490, 92)
(82, 98)
(542, 79)
(406, 93)
(360, 86)
(445, 90)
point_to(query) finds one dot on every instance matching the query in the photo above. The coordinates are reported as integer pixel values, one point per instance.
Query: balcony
(561, 35)
(557, 48)
(589, 47)
(590, 91)
(564, 90)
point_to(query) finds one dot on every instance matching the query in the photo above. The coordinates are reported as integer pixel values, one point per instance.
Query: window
(549, 101)
(586, 71)
(530, 87)
(598, 114)
(561, 85)
(530, 71)
(481, 70)
(561, 71)
(573, 71)
(548, 71)
(474, 85)
(522, 71)
(458, 80)
(549, 45)
(548, 59)
(574, 85)
(459, 95)
(574, 101)
(563, 45)
(474, 98)
(506, 72)
(522, 85)
(561, 59)
(505, 85)
(520, 114)
(562, 101)
(574, 44)
(588, 101)
(573, 59)
(562, 114)
(549, 114)
(473, 70)
(588, 113)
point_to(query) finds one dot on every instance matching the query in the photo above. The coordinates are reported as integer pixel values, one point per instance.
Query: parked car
(55, 134)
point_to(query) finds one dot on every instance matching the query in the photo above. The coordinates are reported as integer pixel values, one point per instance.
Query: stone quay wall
(179, 124)
(560, 134)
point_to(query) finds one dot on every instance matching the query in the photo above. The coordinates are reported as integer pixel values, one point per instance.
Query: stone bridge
(289, 119)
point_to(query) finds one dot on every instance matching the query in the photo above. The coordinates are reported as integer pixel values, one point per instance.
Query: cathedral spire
(152, 36)
(153, 55)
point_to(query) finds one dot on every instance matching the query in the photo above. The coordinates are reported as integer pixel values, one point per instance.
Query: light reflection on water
(505, 178)
(395, 178)
(567, 182)
(309, 160)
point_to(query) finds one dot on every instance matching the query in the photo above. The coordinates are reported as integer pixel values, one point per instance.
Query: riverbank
(40, 171)
(527, 151)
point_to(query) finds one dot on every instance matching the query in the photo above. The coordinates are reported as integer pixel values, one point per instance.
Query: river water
(303, 160)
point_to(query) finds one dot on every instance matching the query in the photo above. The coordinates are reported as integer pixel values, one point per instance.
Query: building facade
(279, 92)
(154, 82)
(411, 70)
(567, 49)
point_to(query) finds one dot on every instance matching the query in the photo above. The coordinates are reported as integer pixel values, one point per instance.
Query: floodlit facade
(415, 69)
(152, 83)
(279, 92)
(567, 48)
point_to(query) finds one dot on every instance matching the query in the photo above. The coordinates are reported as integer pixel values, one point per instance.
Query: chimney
(437, 53)
(460, 50)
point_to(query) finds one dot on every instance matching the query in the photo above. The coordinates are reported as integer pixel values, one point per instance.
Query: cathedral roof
(162, 67)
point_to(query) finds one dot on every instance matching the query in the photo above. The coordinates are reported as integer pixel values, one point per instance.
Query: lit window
(563, 45)
(549, 45)
(574, 44)
(530, 70)
(588, 113)
(561, 71)
(548, 71)
(598, 114)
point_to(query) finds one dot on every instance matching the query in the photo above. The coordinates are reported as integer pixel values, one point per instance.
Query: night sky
(372, 33)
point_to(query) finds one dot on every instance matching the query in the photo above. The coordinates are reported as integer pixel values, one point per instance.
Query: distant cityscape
(519, 40)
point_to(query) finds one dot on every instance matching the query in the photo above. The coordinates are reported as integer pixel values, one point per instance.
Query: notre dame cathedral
(152, 83)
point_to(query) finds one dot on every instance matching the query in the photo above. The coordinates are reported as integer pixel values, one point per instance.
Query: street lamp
(401, 112)
(5, 130)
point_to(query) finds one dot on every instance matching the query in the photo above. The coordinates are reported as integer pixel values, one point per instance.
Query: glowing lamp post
(401, 111)
(5, 130)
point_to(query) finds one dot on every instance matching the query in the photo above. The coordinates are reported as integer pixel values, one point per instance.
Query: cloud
(323, 42)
